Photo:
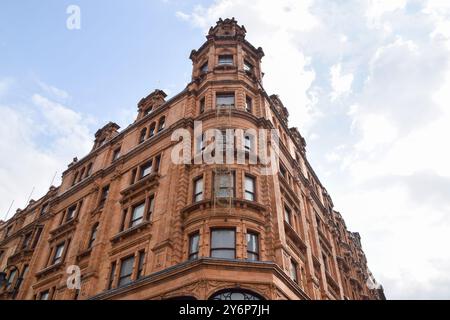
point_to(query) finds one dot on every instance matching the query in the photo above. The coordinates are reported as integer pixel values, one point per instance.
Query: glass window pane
(126, 269)
(223, 239)
(224, 254)
(138, 214)
(224, 100)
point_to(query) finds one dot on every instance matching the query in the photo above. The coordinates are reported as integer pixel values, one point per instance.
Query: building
(140, 226)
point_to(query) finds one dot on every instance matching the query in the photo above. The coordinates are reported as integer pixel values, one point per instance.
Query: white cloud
(388, 113)
(38, 139)
(341, 84)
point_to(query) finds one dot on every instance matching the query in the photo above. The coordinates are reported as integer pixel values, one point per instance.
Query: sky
(367, 83)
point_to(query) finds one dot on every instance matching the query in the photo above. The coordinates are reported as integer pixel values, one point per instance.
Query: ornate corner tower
(142, 225)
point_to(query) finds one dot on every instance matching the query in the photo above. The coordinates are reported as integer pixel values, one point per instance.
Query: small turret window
(225, 59)
(204, 68)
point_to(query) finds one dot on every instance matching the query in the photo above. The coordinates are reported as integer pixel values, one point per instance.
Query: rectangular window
(111, 275)
(93, 235)
(140, 271)
(283, 171)
(45, 295)
(151, 207)
(248, 142)
(202, 105)
(248, 104)
(248, 67)
(146, 169)
(226, 59)
(126, 270)
(137, 215)
(198, 189)
(104, 196)
(204, 67)
(194, 242)
(58, 255)
(157, 163)
(293, 270)
(37, 237)
(26, 241)
(224, 185)
(44, 209)
(250, 188)
(71, 212)
(225, 100)
(8, 231)
(287, 215)
(223, 243)
(252, 246)
(116, 154)
(11, 279)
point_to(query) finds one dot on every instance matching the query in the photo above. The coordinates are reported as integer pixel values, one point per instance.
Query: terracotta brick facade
(140, 226)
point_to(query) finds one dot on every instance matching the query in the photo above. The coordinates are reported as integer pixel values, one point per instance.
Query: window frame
(226, 249)
(133, 220)
(127, 275)
(194, 255)
(222, 61)
(223, 95)
(247, 192)
(200, 194)
(256, 253)
(233, 176)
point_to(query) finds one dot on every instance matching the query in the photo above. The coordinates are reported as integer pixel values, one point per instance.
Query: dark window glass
(204, 68)
(71, 212)
(151, 207)
(146, 169)
(294, 271)
(45, 295)
(249, 188)
(140, 271)
(93, 235)
(126, 270)
(194, 241)
(225, 100)
(226, 59)
(44, 209)
(157, 163)
(198, 190)
(89, 170)
(10, 282)
(248, 67)
(224, 185)
(249, 104)
(152, 129)
(58, 255)
(223, 244)
(137, 215)
(252, 246)
(235, 295)
(287, 215)
(104, 196)
(161, 124)
(116, 154)
(26, 240)
(202, 105)
(111, 275)
(142, 135)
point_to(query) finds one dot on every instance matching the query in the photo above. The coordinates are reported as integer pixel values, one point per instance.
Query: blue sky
(367, 82)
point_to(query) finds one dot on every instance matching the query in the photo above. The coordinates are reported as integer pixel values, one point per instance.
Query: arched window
(143, 135)
(161, 124)
(236, 294)
(152, 129)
